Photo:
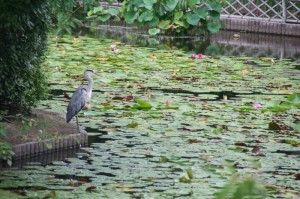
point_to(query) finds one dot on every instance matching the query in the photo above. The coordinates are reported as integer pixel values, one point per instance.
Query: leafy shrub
(174, 15)
(23, 41)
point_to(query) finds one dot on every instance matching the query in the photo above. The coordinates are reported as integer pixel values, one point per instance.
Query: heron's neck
(90, 86)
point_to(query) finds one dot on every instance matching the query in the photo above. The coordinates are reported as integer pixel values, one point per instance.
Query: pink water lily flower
(193, 56)
(168, 102)
(200, 56)
(117, 51)
(256, 105)
(113, 47)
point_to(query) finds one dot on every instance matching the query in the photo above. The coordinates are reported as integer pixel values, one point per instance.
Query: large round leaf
(201, 12)
(170, 5)
(153, 31)
(193, 19)
(146, 16)
(130, 16)
(214, 27)
(149, 4)
(153, 22)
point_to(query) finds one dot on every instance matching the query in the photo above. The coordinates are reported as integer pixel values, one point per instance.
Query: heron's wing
(76, 103)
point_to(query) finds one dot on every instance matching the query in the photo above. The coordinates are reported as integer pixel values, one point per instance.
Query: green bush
(23, 41)
(174, 16)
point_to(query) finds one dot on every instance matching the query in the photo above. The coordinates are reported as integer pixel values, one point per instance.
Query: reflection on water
(223, 43)
(43, 159)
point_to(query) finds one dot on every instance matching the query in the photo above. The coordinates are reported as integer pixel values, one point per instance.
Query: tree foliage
(23, 41)
(166, 16)
(174, 15)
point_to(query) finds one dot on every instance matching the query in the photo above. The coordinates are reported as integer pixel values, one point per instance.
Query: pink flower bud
(193, 56)
(200, 56)
(113, 47)
(256, 105)
(168, 102)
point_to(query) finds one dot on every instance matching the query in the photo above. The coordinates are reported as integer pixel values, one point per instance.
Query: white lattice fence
(293, 11)
(275, 10)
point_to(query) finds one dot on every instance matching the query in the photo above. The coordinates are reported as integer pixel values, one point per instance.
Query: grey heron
(80, 98)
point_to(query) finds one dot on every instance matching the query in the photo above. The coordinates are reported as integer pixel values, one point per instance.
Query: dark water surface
(229, 43)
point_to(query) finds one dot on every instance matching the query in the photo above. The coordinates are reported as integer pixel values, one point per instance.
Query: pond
(229, 43)
(169, 126)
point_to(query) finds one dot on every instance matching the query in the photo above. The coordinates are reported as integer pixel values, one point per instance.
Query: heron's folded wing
(76, 103)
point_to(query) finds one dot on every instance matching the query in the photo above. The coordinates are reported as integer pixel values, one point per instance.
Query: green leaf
(296, 127)
(190, 173)
(294, 98)
(130, 16)
(153, 31)
(214, 27)
(103, 17)
(112, 11)
(201, 12)
(170, 5)
(215, 6)
(165, 24)
(98, 9)
(180, 23)
(146, 16)
(193, 19)
(154, 22)
(187, 107)
(178, 15)
(90, 13)
(149, 4)
(143, 104)
(214, 15)
(184, 179)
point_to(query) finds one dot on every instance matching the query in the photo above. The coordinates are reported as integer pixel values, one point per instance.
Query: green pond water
(168, 126)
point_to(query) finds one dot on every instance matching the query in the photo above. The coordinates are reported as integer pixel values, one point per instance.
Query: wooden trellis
(285, 11)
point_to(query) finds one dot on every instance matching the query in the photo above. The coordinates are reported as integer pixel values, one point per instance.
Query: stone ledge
(255, 26)
(34, 148)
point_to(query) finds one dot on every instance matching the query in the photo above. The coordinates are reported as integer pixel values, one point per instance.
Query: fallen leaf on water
(83, 179)
(52, 194)
(66, 96)
(128, 98)
(193, 140)
(91, 188)
(274, 126)
(260, 155)
(255, 149)
(58, 68)
(240, 144)
(20, 192)
(297, 176)
(153, 56)
(72, 183)
(108, 103)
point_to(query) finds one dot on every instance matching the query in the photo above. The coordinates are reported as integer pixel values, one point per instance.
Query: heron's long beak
(95, 73)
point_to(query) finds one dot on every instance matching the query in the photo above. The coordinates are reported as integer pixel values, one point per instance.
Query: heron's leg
(77, 124)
